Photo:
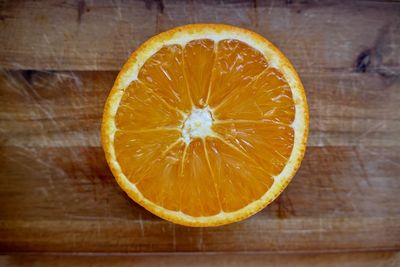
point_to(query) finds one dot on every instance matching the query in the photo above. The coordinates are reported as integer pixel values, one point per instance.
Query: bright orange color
(188, 178)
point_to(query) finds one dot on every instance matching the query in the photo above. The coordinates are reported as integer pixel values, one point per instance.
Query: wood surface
(58, 61)
(375, 259)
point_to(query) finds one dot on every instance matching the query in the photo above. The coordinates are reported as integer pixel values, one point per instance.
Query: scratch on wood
(371, 129)
(383, 158)
(141, 225)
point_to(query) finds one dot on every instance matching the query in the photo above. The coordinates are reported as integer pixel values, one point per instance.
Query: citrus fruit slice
(205, 124)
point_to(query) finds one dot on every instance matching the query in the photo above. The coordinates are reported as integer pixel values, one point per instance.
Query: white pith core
(197, 124)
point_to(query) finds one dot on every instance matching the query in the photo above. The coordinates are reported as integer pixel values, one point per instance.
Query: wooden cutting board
(58, 62)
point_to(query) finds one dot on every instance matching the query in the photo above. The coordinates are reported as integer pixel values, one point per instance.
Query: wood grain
(58, 61)
(100, 35)
(42, 108)
(65, 199)
(376, 259)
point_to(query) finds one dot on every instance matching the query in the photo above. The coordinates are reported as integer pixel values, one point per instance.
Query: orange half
(205, 124)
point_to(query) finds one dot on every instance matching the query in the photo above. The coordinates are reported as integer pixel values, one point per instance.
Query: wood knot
(363, 61)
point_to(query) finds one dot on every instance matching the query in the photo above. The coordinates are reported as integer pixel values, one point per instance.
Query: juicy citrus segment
(162, 183)
(268, 97)
(163, 74)
(199, 56)
(199, 195)
(205, 125)
(136, 111)
(240, 180)
(268, 143)
(140, 153)
(237, 64)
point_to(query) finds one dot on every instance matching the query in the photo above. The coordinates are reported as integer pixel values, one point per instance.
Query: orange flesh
(252, 110)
